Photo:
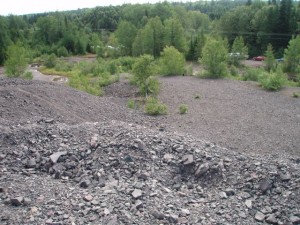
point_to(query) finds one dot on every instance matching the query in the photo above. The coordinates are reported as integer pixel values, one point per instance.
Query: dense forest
(134, 30)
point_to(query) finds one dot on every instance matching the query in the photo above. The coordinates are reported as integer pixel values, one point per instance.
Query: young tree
(4, 39)
(142, 72)
(239, 51)
(172, 62)
(125, 34)
(270, 59)
(214, 58)
(292, 55)
(16, 62)
(174, 35)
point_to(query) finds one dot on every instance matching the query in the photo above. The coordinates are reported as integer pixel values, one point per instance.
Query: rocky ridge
(123, 173)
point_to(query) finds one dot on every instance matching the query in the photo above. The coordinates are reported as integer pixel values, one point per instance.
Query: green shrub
(273, 81)
(183, 109)
(233, 71)
(295, 95)
(50, 60)
(83, 83)
(214, 58)
(252, 74)
(62, 52)
(155, 107)
(172, 62)
(63, 66)
(27, 75)
(150, 87)
(16, 62)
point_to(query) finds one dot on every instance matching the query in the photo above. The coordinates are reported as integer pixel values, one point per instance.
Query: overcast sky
(20, 7)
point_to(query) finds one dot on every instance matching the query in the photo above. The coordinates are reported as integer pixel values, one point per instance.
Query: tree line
(134, 30)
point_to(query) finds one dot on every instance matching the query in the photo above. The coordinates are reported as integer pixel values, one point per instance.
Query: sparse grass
(154, 107)
(183, 109)
(27, 75)
(131, 104)
(296, 95)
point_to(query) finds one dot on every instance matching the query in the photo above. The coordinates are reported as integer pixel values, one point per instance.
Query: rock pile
(120, 173)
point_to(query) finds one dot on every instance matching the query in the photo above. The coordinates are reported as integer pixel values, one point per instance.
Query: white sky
(20, 7)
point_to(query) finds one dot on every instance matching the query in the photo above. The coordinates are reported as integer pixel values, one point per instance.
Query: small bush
(295, 95)
(50, 60)
(83, 83)
(131, 104)
(172, 62)
(27, 75)
(233, 71)
(154, 107)
(197, 97)
(273, 81)
(62, 52)
(183, 109)
(252, 74)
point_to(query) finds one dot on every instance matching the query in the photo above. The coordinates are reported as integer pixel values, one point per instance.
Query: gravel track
(234, 114)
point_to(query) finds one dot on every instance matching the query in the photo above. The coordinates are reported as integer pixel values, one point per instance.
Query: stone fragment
(158, 215)
(140, 144)
(16, 201)
(259, 216)
(248, 203)
(271, 219)
(55, 156)
(188, 159)
(31, 163)
(94, 141)
(27, 201)
(173, 218)
(295, 219)
(138, 204)
(168, 157)
(88, 198)
(223, 195)
(229, 192)
(285, 176)
(136, 193)
(202, 169)
(185, 212)
(85, 183)
(265, 185)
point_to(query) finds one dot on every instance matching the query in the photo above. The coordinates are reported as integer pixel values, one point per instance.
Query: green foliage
(4, 39)
(183, 109)
(50, 60)
(125, 34)
(149, 40)
(233, 71)
(131, 104)
(292, 55)
(252, 74)
(16, 62)
(125, 64)
(214, 58)
(270, 59)
(239, 51)
(174, 35)
(154, 107)
(172, 62)
(142, 70)
(296, 95)
(62, 52)
(27, 75)
(273, 81)
(83, 83)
